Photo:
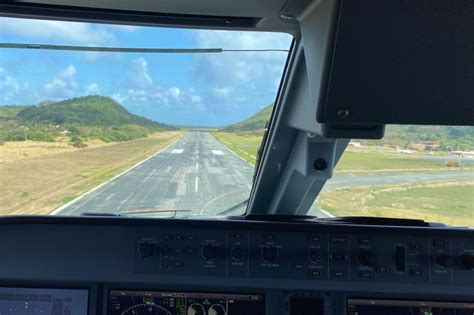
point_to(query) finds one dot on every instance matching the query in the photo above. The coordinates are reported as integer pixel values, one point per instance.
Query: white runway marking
(197, 165)
(217, 152)
(177, 151)
(196, 185)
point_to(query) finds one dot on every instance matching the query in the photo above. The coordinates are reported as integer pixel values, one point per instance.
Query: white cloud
(175, 92)
(63, 85)
(138, 75)
(244, 71)
(92, 89)
(64, 32)
(119, 97)
(9, 86)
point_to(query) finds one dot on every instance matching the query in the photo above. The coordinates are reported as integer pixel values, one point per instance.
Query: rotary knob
(146, 250)
(237, 253)
(367, 258)
(209, 252)
(270, 254)
(315, 256)
(443, 261)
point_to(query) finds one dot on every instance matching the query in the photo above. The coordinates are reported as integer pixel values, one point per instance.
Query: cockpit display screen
(407, 307)
(43, 301)
(183, 303)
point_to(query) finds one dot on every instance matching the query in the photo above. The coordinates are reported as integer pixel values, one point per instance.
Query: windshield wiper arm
(135, 212)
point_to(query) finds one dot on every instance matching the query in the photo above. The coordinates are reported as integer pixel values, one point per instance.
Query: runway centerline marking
(196, 184)
(197, 165)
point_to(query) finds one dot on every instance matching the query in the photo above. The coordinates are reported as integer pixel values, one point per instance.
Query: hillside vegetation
(80, 119)
(456, 137)
(253, 123)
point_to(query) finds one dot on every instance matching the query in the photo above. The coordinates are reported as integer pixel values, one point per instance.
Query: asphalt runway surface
(201, 175)
(196, 173)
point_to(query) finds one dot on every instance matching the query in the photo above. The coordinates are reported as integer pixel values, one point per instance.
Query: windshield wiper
(135, 212)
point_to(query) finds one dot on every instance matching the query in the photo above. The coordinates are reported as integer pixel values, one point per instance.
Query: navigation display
(182, 303)
(397, 307)
(43, 301)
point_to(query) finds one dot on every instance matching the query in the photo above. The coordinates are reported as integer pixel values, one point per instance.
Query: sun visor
(400, 62)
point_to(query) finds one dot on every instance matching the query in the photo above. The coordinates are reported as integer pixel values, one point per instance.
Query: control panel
(306, 255)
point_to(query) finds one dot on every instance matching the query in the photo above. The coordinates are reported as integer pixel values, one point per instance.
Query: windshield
(147, 129)
(150, 132)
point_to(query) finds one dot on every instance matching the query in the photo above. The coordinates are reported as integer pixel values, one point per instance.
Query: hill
(82, 118)
(458, 137)
(253, 123)
(8, 112)
(88, 110)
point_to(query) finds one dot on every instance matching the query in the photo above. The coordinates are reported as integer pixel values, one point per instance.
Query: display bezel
(90, 289)
(181, 290)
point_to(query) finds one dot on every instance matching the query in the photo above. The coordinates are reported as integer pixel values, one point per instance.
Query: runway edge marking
(61, 208)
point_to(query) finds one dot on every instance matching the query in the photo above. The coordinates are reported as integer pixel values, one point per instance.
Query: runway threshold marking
(177, 151)
(217, 152)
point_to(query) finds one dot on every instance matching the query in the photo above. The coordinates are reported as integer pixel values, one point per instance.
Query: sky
(187, 89)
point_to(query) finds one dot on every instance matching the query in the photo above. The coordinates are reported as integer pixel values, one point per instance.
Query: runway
(196, 173)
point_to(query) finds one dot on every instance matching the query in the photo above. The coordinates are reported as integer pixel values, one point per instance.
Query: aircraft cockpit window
(129, 120)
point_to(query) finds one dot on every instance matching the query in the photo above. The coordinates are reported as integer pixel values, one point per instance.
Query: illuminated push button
(270, 254)
(209, 252)
(146, 250)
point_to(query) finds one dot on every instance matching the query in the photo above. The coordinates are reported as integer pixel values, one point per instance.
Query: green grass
(361, 162)
(246, 145)
(450, 202)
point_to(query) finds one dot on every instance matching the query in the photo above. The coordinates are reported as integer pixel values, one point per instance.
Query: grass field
(354, 160)
(39, 183)
(449, 202)
(244, 144)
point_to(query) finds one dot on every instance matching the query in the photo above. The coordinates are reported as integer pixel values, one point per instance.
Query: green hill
(82, 118)
(88, 110)
(8, 112)
(253, 123)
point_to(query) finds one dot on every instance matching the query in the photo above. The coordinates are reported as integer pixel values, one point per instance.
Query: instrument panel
(124, 302)
(89, 266)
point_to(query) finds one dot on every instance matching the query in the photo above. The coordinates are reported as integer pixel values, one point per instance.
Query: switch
(400, 258)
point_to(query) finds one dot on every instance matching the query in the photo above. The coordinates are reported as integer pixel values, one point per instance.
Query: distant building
(431, 145)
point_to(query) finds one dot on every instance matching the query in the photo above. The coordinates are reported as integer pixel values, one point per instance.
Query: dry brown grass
(14, 151)
(41, 182)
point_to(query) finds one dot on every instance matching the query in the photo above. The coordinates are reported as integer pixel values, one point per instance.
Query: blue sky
(190, 89)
